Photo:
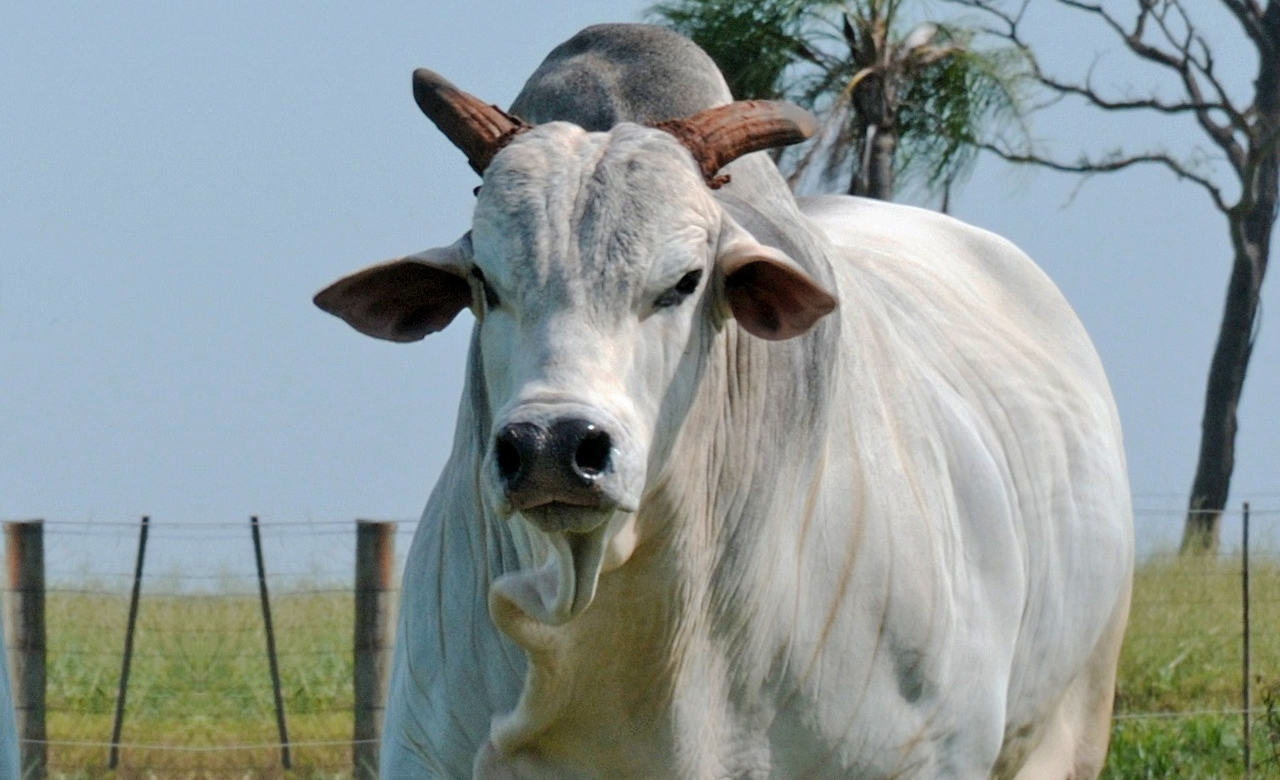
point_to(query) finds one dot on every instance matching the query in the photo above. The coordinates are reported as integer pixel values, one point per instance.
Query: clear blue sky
(179, 179)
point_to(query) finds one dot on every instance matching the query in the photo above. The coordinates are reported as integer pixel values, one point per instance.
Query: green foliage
(752, 42)
(864, 72)
(951, 107)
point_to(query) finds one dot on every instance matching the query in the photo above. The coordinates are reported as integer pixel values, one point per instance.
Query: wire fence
(200, 699)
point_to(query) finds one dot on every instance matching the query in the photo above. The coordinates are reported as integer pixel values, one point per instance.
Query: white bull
(701, 522)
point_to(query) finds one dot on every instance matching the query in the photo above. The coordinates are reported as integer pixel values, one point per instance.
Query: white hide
(894, 543)
(918, 567)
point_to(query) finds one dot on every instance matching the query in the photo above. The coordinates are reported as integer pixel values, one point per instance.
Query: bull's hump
(613, 73)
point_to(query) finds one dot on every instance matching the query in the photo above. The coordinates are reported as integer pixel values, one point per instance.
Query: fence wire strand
(199, 626)
(199, 672)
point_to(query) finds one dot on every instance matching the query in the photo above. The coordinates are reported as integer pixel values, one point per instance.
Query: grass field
(1183, 654)
(200, 680)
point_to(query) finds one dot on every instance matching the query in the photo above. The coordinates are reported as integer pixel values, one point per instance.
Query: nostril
(508, 456)
(593, 453)
(515, 448)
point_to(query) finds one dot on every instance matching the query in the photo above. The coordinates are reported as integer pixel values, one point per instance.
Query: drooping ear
(405, 299)
(769, 294)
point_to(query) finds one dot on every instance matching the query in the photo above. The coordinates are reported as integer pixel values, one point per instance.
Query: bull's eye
(490, 297)
(683, 289)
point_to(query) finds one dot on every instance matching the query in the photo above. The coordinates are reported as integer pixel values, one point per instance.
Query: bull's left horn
(720, 135)
(480, 130)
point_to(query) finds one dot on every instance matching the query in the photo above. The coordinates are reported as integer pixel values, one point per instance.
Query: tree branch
(1249, 14)
(1091, 94)
(1187, 62)
(1115, 162)
(1188, 56)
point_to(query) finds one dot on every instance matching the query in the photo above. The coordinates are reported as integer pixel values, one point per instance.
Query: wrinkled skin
(885, 539)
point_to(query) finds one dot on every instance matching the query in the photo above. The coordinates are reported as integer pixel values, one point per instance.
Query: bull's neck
(605, 672)
(648, 659)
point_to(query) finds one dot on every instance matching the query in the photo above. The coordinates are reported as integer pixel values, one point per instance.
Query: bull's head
(600, 269)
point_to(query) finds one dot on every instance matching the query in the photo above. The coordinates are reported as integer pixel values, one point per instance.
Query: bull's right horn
(718, 136)
(480, 130)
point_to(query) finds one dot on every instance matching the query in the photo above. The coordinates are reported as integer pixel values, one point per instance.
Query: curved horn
(477, 128)
(720, 135)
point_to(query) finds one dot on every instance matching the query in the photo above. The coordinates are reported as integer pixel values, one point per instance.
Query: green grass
(1183, 653)
(200, 680)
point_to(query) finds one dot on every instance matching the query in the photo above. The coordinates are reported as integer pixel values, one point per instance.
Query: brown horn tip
(479, 129)
(720, 135)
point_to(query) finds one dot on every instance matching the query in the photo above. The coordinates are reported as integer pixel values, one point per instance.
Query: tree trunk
(1212, 480)
(880, 172)
(1252, 222)
(874, 177)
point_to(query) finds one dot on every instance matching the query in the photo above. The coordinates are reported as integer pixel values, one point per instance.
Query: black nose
(516, 446)
(585, 447)
(560, 463)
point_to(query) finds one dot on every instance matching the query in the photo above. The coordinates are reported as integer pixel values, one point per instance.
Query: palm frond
(847, 61)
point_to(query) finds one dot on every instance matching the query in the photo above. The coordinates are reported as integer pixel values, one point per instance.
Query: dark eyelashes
(687, 285)
(682, 289)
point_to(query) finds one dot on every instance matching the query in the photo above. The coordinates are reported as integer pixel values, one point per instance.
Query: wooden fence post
(375, 565)
(24, 627)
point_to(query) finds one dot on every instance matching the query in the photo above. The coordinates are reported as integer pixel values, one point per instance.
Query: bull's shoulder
(936, 266)
(951, 307)
(612, 73)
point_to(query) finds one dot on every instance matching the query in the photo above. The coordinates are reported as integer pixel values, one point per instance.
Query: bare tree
(1164, 34)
